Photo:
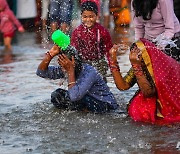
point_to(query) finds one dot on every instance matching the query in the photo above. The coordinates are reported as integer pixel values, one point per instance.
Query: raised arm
(50, 72)
(69, 66)
(147, 87)
(121, 84)
(47, 59)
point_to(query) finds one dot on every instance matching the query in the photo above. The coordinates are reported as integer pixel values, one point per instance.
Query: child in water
(8, 24)
(91, 39)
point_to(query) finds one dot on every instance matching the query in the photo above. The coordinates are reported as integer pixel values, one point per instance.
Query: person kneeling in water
(86, 88)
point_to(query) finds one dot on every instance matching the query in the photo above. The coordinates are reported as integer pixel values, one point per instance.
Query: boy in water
(91, 39)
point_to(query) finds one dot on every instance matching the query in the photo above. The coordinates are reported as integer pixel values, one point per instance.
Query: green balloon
(61, 39)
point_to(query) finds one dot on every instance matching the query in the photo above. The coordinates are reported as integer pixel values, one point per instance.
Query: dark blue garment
(61, 100)
(89, 82)
(61, 11)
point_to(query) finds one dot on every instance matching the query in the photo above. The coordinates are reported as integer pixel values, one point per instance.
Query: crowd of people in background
(33, 13)
(45, 13)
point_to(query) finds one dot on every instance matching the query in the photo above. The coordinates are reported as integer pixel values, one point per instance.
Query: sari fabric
(165, 72)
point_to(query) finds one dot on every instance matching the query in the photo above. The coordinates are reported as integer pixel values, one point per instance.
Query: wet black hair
(70, 52)
(144, 8)
(89, 6)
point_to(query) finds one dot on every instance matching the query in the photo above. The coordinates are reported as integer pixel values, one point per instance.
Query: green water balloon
(61, 39)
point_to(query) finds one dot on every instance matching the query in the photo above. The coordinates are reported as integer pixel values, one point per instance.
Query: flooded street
(30, 124)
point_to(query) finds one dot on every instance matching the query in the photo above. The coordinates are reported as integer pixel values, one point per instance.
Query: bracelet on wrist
(137, 68)
(114, 68)
(136, 65)
(71, 83)
(49, 54)
(138, 73)
(113, 63)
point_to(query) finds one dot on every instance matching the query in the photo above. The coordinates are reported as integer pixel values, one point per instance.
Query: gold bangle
(71, 83)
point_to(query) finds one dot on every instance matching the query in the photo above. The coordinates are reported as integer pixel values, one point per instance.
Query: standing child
(8, 24)
(91, 39)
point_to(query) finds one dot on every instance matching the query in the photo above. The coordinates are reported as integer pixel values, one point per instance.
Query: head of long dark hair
(72, 52)
(144, 8)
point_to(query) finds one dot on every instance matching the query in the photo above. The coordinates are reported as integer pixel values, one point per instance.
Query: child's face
(88, 18)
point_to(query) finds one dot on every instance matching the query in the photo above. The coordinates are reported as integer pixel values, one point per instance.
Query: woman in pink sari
(158, 76)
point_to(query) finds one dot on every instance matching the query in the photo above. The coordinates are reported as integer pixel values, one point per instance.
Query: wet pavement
(30, 124)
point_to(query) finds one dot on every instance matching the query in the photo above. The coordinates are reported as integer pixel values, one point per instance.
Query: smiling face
(88, 18)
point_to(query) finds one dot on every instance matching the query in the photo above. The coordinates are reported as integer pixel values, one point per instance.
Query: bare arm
(49, 55)
(69, 66)
(147, 88)
(121, 84)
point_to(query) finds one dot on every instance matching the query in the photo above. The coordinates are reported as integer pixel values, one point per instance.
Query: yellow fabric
(148, 63)
(146, 58)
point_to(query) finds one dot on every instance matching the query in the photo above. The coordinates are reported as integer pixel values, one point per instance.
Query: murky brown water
(30, 124)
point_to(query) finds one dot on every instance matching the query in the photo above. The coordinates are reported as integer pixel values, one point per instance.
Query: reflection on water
(30, 124)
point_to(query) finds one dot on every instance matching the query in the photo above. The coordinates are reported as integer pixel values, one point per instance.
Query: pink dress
(8, 22)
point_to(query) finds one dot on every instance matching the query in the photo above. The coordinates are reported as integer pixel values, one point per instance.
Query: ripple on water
(42, 128)
(29, 122)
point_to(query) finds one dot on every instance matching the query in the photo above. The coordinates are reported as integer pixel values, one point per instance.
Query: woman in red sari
(158, 76)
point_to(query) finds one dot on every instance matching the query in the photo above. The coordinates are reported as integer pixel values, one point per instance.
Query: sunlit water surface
(30, 124)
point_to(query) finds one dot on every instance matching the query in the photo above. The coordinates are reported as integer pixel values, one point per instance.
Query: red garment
(8, 21)
(166, 73)
(9, 34)
(92, 43)
(143, 109)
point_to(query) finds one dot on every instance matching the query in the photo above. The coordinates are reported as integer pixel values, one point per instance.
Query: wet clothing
(88, 85)
(174, 52)
(93, 45)
(60, 99)
(163, 72)
(163, 21)
(8, 21)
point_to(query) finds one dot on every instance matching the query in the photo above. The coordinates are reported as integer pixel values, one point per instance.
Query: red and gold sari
(165, 73)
